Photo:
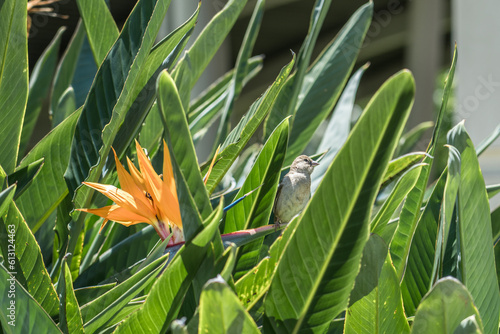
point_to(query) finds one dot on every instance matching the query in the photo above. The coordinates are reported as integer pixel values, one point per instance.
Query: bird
(294, 191)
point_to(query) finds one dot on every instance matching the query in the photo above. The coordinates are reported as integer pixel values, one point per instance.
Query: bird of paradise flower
(144, 197)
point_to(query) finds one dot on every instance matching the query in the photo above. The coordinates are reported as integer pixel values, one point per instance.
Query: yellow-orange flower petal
(123, 199)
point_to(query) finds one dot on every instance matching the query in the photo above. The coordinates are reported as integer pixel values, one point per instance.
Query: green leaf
(106, 105)
(240, 71)
(325, 79)
(410, 213)
(288, 99)
(182, 147)
(118, 257)
(396, 197)
(20, 312)
(70, 318)
(13, 79)
(381, 310)
(166, 295)
(89, 293)
(492, 190)
(239, 137)
(444, 307)
(418, 274)
(204, 111)
(412, 137)
(252, 287)
(474, 228)
(447, 209)
(48, 189)
(23, 177)
(99, 311)
(65, 106)
(65, 71)
(23, 257)
(40, 81)
(256, 208)
(338, 128)
(495, 224)
(322, 257)
(488, 141)
(101, 36)
(221, 311)
(6, 197)
(197, 58)
(163, 56)
(400, 165)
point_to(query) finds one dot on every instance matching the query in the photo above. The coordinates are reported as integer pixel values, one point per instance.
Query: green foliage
(376, 250)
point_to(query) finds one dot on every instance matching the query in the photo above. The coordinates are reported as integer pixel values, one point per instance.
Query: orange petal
(123, 199)
(168, 173)
(118, 214)
(129, 185)
(136, 175)
(211, 165)
(151, 178)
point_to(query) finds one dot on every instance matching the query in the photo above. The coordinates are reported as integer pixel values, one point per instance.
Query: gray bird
(294, 191)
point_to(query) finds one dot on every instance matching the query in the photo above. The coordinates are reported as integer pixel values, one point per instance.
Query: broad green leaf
(182, 147)
(65, 106)
(101, 36)
(13, 79)
(6, 197)
(410, 213)
(495, 224)
(252, 287)
(396, 197)
(317, 270)
(338, 128)
(119, 257)
(290, 95)
(412, 137)
(163, 56)
(239, 137)
(325, 80)
(488, 141)
(107, 104)
(446, 215)
(221, 311)
(40, 80)
(444, 308)
(48, 189)
(381, 310)
(65, 71)
(20, 312)
(23, 176)
(197, 58)
(99, 311)
(240, 71)
(70, 318)
(255, 209)
(23, 257)
(166, 295)
(400, 165)
(418, 273)
(203, 112)
(85, 72)
(474, 228)
(89, 293)
(492, 190)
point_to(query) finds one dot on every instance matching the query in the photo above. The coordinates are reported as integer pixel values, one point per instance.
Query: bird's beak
(315, 163)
